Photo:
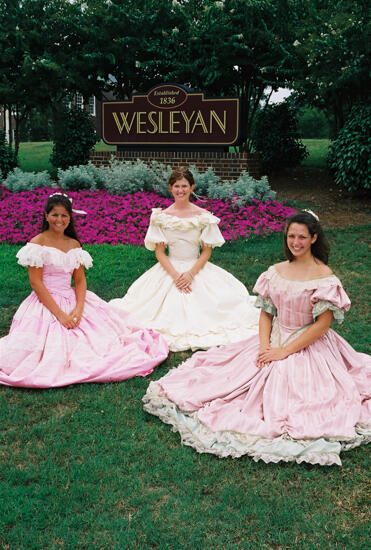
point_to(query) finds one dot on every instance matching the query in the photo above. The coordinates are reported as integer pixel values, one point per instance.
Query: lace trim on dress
(323, 305)
(321, 451)
(266, 304)
(36, 255)
(173, 222)
(278, 281)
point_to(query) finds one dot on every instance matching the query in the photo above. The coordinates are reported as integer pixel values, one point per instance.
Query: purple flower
(123, 219)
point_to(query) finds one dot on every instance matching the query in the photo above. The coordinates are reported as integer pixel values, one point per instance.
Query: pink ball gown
(39, 352)
(305, 408)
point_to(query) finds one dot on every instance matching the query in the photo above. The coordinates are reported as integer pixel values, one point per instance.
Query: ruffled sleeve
(264, 301)
(332, 297)
(31, 255)
(154, 233)
(210, 234)
(35, 255)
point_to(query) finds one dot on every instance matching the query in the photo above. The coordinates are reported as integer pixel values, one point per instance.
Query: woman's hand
(184, 281)
(67, 320)
(270, 354)
(76, 315)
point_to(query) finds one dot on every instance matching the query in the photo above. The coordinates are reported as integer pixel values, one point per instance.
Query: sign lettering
(168, 114)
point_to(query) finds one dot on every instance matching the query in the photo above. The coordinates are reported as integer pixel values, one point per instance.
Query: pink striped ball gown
(106, 346)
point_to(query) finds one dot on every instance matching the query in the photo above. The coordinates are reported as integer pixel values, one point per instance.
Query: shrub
(245, 191)
(276, 138)
(160, 182)
(8, 160)
(350, 152)
(24, 181)
(75, 136)
(205, 180)
(249, 189)
(222, 191)
(84, 176)
(124, 177)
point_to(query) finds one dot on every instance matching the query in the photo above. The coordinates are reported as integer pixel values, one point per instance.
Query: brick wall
(225, 165)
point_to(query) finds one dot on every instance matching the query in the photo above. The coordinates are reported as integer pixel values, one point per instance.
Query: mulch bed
(316, 189)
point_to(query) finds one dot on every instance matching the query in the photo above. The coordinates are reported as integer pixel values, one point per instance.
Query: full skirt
(219, 310)
(305, 408)
(106, 346)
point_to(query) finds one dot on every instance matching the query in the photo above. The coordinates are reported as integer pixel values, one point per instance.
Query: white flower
(219, 4)
(175, 30)
(296, 43)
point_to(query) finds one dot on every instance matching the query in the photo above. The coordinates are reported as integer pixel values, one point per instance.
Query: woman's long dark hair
(320, 248)
(59, 199)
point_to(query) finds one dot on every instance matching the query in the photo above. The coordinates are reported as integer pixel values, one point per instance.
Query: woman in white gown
(190, 301)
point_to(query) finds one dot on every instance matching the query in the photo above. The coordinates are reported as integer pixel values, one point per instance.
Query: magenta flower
(123, 219)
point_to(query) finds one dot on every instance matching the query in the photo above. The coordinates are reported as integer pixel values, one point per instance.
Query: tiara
(81, 212)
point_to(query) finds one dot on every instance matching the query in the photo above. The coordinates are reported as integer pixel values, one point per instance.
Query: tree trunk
(9, 109)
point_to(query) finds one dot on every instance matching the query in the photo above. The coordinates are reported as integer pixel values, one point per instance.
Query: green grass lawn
(317, 149)
(84, 467)
(34, 156)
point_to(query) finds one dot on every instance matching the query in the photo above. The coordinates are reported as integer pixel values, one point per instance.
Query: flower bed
(123, 219)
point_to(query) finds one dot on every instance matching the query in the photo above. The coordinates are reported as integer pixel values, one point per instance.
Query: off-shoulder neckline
(187, 217)
(55, 248)
(302, 280)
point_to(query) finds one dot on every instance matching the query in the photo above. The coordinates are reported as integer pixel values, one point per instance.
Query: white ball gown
(219, 310)
(106, 346)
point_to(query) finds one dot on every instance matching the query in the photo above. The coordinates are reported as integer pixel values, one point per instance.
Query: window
(92, 105)
(79, 101)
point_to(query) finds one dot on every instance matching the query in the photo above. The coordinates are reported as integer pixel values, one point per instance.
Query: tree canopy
(50, 49)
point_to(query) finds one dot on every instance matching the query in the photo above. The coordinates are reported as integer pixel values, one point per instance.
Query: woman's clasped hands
(70, 320)
(268, 354)
(183, 282)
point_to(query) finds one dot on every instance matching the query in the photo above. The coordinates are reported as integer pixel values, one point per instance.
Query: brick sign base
(225, 165)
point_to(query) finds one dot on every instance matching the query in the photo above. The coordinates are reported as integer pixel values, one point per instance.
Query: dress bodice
(297, 304)
(183, 236)
(57, 265)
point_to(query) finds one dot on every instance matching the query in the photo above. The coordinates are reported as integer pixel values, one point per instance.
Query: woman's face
(181, 190)
(58, 218)
(299, 240)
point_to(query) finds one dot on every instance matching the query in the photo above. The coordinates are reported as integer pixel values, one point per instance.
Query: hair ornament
(81, 212)
(312, 213)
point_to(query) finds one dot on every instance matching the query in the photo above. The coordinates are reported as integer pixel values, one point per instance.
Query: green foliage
(312, 123)
(276, 138)
(333, 49)
(204, 180)
(125, 177)
(119, 178)
(244, 191)
(238, 48)
(350, 152)
(84, 176)
(75, 136)
(8, 159)
(23, 181)
(248, 188)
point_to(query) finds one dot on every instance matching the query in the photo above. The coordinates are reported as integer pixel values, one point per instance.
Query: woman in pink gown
(295, 392)
(63, 335)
